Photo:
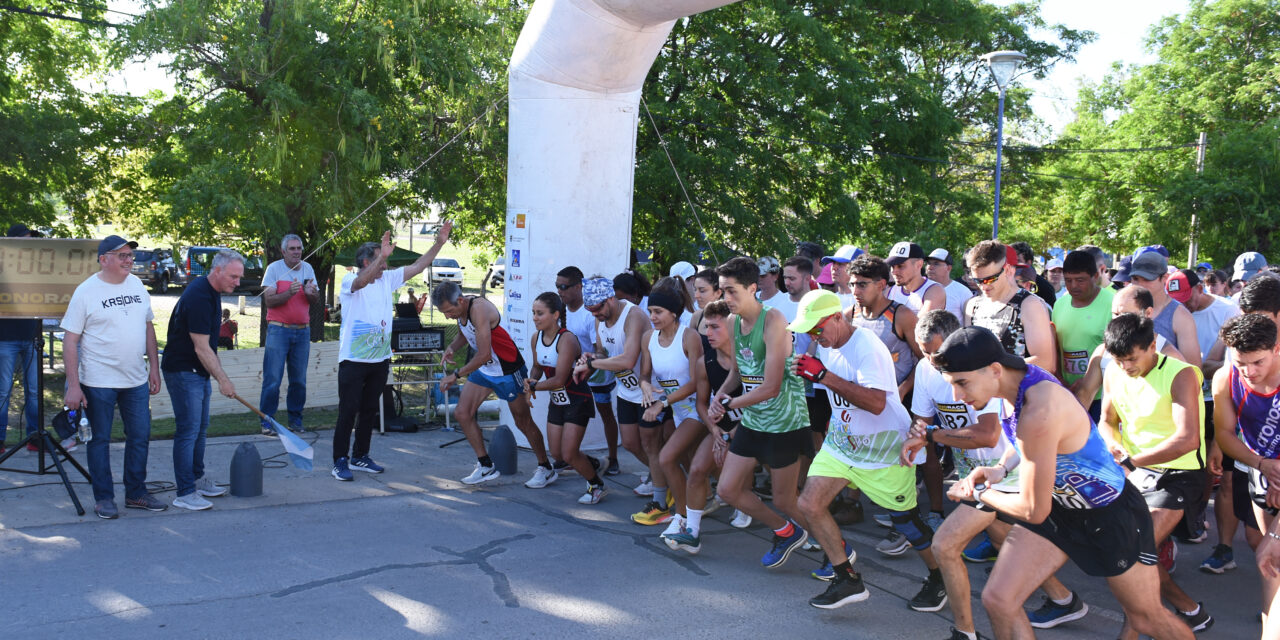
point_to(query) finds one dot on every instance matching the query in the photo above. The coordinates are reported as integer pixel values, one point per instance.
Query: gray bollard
(502, 448)
(246, 471)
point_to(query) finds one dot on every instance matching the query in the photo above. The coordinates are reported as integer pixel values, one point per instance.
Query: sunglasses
(566, 287)
(817, 330)
(988, 279)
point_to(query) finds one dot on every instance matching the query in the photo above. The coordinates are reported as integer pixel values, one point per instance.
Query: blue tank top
(1258, 423)
(1086, 479)
(1164, 322)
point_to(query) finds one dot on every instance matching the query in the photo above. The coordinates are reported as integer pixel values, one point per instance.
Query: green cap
(815, 306)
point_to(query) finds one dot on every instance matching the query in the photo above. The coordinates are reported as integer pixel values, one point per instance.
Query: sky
(1121, 27)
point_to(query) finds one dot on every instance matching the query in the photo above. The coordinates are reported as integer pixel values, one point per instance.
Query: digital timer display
(38, 275)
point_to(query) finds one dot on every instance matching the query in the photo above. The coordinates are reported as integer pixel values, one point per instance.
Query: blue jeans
(135, 412)
(285, 346)
(19, 355)
(189, 392)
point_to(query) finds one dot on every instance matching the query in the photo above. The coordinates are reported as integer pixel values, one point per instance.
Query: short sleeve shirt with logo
(366, 317)
(112, 322)
(856, 436)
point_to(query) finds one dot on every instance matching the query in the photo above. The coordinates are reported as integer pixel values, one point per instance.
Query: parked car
(497, 275)
(157, 269)
(446, 269)
(197, 260)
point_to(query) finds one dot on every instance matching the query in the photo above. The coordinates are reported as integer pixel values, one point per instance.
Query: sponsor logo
(121, 301)
(515, 257)
(515, 276)
(519, 220)
(514, 295)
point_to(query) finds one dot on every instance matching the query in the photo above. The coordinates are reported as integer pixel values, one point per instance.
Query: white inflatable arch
(575, 81)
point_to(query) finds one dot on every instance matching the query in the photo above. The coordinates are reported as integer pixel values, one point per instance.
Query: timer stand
(46, 444)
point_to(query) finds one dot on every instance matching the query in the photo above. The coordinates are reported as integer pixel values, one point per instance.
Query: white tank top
(492, 368)
(913, 300)
(670, 364)
(614, 341)
(547, 355)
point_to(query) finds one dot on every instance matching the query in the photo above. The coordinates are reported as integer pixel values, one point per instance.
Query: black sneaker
(612, 470)
(840, 592)
(1199, 622)
(764, 490)
(561, 467)
(1051, 614)
(956, 634)
(932, 596)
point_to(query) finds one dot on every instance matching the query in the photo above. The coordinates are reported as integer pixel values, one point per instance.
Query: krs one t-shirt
(366, 317)
(112, 321)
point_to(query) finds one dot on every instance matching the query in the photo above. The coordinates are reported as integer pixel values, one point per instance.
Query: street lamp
(1003, 65)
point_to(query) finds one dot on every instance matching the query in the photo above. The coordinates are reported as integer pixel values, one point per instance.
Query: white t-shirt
(846, 300)
(112, 322)
(856, 436)
(782, 302)
(1209, 321)
(366, 317)
(583, 325)
(957, 295)
(934, 396)
(278, 270)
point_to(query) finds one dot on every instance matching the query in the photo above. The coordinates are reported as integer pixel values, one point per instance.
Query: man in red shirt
(290, 289)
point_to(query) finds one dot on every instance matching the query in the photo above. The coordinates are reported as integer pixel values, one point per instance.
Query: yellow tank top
(1145, 406)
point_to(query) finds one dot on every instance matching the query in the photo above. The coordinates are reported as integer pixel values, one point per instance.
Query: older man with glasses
(289, 291)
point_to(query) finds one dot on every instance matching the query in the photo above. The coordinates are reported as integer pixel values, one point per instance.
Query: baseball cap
(682, 269)
(940, 254)
(596, 290)
(1205, 265)
(111, 243)
(1122, 269)
(1149, 265)
(768, 264)
(1011, 257)
(1248, 264)
(825, 276)
(973, 348)
(19, 230)
(904, 251)
(814, 306)
(1158, 248)
(1052, 264)
(846, 253)
(1180, 284)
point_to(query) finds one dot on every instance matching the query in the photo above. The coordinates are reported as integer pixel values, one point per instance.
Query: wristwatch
(666, 404)
(928, 436)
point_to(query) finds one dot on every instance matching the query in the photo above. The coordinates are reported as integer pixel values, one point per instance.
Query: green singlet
(786, 411)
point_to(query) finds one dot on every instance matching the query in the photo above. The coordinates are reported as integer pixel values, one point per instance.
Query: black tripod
(46, 444)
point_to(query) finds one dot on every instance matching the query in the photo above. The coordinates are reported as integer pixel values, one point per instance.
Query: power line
(102, 8)
(59, 16)
(663, 143)
(1035, 149)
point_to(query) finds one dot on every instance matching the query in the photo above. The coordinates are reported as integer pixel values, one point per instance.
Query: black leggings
(360, 387)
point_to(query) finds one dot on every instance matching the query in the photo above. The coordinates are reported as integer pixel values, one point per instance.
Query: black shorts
(1178, 489)
(579, 411)
(819, 411)
(1241, 503)
(1106, 541)
(629, 412)
(777, 450)
(663, 416)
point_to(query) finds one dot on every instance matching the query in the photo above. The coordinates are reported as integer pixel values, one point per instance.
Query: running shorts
(819, 411)
(1178, 489)
(892, 487)
(629, 412)
(578, 412)
(507, 387)
(777, 450)
(1105, 541)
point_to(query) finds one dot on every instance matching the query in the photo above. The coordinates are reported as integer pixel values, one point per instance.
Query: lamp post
(1003, 65)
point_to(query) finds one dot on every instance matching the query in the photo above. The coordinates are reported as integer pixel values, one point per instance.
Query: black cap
(973, 348)
(19, 230)
(904, 251)
(111, 243)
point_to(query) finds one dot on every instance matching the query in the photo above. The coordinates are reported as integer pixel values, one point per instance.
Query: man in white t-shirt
(583, 325)
(289, 290)
(109, 333)
(911, 288)
(938, 267)
(768, 291)
(364, 347)
(840, 271)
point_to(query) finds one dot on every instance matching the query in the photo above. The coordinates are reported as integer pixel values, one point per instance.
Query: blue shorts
(507, 388)
(602, 394)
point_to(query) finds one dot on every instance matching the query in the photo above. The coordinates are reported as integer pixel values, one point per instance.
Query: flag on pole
(299, 451)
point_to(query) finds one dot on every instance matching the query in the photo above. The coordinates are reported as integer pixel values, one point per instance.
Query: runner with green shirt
(1081, 319)
(774, 417)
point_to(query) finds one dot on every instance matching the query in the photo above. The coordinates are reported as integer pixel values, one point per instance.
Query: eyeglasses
(124, 257)
(566, 287)
(987, 279)
(817, 330)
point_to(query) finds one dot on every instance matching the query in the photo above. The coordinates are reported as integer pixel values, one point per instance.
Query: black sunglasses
(566, 287)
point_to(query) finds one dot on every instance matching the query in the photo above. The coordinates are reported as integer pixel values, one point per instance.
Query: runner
(794, 273)
(1021, 323)
(710, 372)
(632, 286)
(619, 326)
(706, 289)
(770, 279)
(1247, 265)
(868, 426)
(570, 407)
(1134, 300)
(685, 271)
(1158, 399)
(1217, 282)
(911, 288)
(1073, 500)
(1245, 401)
(1150, 270)
(814, 252)
(938, 267)
(583, 324)
(1040, 286)
(497, 367)
(1100, 259)
(1080, 319)
(669, 409)
(1053, 273)
(774, 416)
(839, 265)
(976, 440)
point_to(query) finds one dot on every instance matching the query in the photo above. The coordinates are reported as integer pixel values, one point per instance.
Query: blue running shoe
(981, 551)
(1052, 614)
(365, 463)
(827, 573)
(1222, 560)
(341, 471)
(782, 547)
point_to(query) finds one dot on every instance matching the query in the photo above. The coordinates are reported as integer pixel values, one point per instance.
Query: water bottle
(85, 431)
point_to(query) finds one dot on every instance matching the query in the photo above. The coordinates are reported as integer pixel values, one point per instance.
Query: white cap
(940, 254)
(846, 253)
(682, 269)
(1052, 264)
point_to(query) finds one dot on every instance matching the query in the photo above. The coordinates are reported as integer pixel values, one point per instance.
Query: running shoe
(366, 464)
(593, 495)
(957, 634)
(192, 502)
(883, 520)
(674, 526)
(1168, 551)
(145, 501)
(481, 474)
(841, 592)
(782, 547)
(1222, 560)
(1201, 621)
(645, 488)
(894, 544)
(740, 520)
(652, 514)
(933, 519)
(712, 505)
(932, 595)
(764, 490)
(613, 468)
(206, 487)
(542, 476)
(826, 572)
(106, 509)
(811, 545)
(341, 471)
(685, 541)
(1051, 614)
(561, 467)
(981, 551)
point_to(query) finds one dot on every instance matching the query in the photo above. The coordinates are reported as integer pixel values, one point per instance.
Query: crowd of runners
(1088, 414)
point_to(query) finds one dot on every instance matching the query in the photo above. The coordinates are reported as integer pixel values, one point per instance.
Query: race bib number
(1076, 362)
(628, 379)
(669, 385)
(1146, 479)
(1258, 486)
(952, 416)
(751, 383)
(559, 397)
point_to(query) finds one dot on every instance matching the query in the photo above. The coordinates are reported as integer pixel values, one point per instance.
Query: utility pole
(1194, 249)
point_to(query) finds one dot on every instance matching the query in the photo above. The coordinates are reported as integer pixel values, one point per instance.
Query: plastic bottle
(85, 431)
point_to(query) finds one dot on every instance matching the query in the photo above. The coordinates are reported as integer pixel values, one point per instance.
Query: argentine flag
(299, 451)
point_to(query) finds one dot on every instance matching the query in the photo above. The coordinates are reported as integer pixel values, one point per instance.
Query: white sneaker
(674, 526)
(740, 520)
(712, 505)
(192, 502)
(481, 474)
(206, 487)
(644, 489)
(593, 495)
(542, 477)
